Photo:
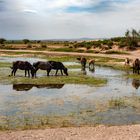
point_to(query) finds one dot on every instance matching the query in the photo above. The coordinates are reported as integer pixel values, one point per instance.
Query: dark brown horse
(49, 65)
(43, 66)
(58, 66)
(136, 66)
(83, 62)
(22, 65)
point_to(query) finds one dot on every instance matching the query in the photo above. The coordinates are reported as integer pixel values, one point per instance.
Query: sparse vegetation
(43, 46)
(116, 52)
(116, 103)
(26, 41)
(2, 40)
(130, 41)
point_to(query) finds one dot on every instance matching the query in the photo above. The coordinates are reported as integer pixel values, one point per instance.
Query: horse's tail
(11, 67)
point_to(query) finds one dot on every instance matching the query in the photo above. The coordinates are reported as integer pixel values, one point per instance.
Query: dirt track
(82, 133)
(132, 55)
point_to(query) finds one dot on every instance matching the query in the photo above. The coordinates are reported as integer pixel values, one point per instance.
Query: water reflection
(84, 72)
(26, 87)
(92, 68)
(135, 83)
(82, 100)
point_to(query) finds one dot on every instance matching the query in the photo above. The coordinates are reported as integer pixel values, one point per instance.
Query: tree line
(131, 40)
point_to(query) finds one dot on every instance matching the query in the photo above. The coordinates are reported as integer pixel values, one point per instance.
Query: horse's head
(65, 71)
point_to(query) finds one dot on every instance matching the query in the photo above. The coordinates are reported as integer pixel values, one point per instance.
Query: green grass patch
(73, 66)
(62, 49)
(5, 64)
(73, 78)
(116, 52)
(114, 66)
(116, 103)
(134, 76)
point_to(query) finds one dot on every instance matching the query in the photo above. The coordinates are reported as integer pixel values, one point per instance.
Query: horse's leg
(36, 71)
(28, 73)
(25, 73)
(35, 74)
(12, 72)
(15, 71)
(48, 72)
(56, 72)
(61, 72)
(133, 69)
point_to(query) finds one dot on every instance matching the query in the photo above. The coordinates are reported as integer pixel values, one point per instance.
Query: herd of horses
(31, 70)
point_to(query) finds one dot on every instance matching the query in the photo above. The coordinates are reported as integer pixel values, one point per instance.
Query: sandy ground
(130, 132)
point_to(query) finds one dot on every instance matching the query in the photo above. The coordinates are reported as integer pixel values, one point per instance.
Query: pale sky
(67, 19)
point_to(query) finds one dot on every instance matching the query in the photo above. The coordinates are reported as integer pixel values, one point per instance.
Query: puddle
(84, 103)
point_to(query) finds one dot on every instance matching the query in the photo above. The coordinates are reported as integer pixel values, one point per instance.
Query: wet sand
(129, 132)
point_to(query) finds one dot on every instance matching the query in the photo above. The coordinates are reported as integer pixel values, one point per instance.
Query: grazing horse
(91, 64)
(50, 65)
(58, 66)
(43, 66)
(136, 66)
(22, 65)
(83, 61)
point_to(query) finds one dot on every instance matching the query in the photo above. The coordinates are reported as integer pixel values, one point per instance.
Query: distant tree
(38, 41)
(127, 33)
(132, 38)
(135, 34)
(2, 40)
(26, 41)
(43, 46)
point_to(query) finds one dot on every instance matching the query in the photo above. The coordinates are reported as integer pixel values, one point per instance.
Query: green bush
(29, 46)
(43, 46)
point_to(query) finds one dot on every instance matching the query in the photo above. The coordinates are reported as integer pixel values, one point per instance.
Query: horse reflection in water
(92, 65)
(136, 83)
(27, 87)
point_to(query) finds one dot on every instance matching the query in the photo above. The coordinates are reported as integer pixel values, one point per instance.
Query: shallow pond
(76, 104)
(29, 59)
